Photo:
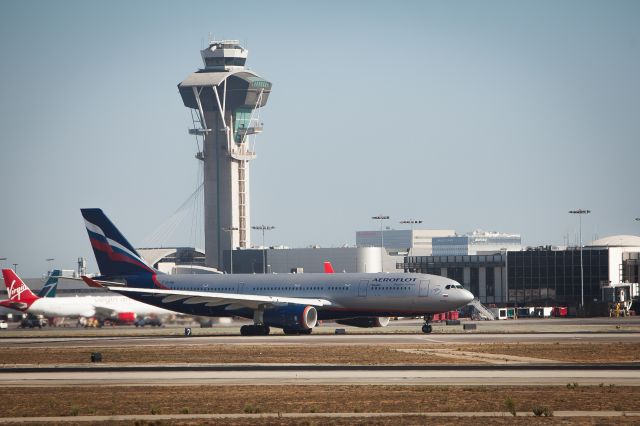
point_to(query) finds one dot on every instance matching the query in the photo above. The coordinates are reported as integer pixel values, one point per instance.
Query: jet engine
(291, 317)
(365, 322)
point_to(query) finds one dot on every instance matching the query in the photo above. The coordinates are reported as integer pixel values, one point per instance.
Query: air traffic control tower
(224, 98)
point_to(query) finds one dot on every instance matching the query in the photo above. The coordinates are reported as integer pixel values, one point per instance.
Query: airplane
(109, 307)
(47, 290)
(292, 302)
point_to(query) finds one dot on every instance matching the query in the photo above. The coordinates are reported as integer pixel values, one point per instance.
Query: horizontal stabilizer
(99, 283)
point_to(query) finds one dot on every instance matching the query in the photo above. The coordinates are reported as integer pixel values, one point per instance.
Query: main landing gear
(426, 328)
(254, 330)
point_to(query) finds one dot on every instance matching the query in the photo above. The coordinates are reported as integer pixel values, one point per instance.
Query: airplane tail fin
(114, 254)
(49, 288)
(328, 268)
(20, 296)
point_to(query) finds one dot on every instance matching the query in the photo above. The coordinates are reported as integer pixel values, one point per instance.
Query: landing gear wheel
(427, 328)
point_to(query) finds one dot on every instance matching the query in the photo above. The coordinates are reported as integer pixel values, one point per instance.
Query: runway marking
(426, 339)
(498, 359)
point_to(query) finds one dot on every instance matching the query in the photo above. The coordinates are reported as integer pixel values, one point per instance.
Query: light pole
(264, 249)
(381, 217)
(411, 222)
(50, 259)
(15, 268)
(581, 212)
(233, 228)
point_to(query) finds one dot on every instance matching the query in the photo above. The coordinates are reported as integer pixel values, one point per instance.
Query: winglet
(328, 268)
(90, 282)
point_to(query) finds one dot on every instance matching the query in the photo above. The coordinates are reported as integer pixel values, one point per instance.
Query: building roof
(617, 241)
(154, 255)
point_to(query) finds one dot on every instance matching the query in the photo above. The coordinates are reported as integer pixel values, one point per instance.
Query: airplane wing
(234, 300)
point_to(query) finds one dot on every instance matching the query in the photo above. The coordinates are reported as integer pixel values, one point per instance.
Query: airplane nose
(468, 296)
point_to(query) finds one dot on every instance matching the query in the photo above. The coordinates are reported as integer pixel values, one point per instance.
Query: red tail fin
(328, 268)
(17, 289)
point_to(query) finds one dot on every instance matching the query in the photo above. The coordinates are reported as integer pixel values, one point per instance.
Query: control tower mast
(224, 98)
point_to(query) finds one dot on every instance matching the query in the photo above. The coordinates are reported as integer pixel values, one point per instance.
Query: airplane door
(362, 288)
(423, 291)
(241, 288)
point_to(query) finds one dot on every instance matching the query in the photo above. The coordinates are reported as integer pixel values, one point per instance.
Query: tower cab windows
(219, 62)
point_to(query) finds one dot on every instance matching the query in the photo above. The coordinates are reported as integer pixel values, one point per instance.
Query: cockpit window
(447, 287)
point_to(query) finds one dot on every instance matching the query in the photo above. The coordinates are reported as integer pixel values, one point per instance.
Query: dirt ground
(506, 420)
(330, 354)
(69, 401)
(377, 421)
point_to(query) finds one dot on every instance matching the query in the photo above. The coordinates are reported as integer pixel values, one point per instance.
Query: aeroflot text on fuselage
(394, 280)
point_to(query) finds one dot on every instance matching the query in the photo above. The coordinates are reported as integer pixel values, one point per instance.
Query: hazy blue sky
(499, 115)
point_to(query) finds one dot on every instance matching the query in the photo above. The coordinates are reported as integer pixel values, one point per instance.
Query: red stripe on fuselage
(158, 284)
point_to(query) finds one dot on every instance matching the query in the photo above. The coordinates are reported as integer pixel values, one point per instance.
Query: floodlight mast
(581, 212)
(225, 98)
(264, 248)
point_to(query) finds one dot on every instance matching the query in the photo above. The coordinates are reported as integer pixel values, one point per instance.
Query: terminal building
(541, 276)
(311, 260)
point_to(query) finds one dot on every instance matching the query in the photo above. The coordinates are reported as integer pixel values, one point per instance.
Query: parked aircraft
(293, 302)
(115, 308)
(47, 290)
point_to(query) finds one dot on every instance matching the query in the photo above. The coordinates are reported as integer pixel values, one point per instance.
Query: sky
(493, 115)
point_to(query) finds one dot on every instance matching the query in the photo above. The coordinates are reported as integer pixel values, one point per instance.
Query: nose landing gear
(426, 328)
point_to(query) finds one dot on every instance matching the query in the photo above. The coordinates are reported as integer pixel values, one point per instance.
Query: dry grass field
(73, 401)
(325, 354)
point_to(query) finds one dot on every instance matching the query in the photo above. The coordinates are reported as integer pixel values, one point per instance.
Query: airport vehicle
(32, 321)
(150, 321)
(3, 324)
(293, 302)
(108, 307)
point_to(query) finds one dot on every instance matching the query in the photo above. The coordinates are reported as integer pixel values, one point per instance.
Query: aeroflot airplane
(22, 299)
(293, 302)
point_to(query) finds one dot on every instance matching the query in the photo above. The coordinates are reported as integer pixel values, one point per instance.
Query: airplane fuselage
(88, 306)
(351, 295)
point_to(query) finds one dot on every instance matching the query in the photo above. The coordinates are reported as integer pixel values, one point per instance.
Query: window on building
(490, 280)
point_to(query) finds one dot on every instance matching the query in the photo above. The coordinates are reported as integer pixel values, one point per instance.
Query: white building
(402, 240)
(477, 242)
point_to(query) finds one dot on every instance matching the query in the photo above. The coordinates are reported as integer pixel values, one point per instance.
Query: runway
(324, 339)
(179, 376)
